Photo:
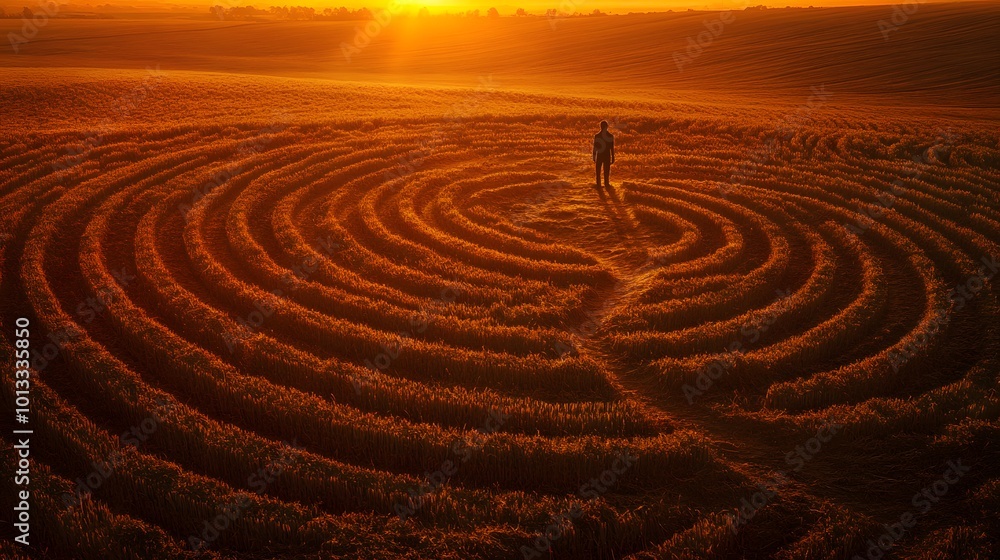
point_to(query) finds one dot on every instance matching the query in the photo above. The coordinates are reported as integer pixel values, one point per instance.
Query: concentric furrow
(164, 347)
(367, 241)
(63, 431)
(675, 304)
(162, 353)
(787, 529)
(383, 309)
(265, 356)
(449, 212)
(161, 335)
(249, 216)
(877, 305)
(359, 342)
(413, 224)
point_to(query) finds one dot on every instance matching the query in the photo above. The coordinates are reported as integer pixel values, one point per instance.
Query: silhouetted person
(604, 153)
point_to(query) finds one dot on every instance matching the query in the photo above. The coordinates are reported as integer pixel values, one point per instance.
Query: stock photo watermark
(435, 480)
(922, 503)
(453, 119)
(134, 437)
(119, 110)
(696, 45)
(900, 16)
(88, 309)
(245, 149)
(869, 214)
(31, 23)
(590, 490)
(750, 333)
(418, 322)
(797, 459)
(263, 308)
(365, 34)
(789, 125)
(258, 481)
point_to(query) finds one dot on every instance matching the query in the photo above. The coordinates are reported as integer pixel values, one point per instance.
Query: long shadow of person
(619, 216)
(614, 196)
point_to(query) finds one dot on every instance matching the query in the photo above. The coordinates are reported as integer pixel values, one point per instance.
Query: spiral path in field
(425, 340)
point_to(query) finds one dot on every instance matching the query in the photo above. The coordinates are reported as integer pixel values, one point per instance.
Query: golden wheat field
(285, 302)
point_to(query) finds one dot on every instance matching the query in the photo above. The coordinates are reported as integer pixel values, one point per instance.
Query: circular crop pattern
(439, 337)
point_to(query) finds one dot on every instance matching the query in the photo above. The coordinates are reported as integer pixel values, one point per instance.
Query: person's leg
(607, 173)
(598, 164)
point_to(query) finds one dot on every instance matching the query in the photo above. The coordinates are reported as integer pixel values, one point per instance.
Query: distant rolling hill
(945, 50)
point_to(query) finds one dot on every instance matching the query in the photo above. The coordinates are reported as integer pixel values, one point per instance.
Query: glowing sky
(505, 7)
(624, 6)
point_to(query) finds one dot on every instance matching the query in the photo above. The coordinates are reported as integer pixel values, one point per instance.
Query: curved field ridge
(945, 52)
(430, 337)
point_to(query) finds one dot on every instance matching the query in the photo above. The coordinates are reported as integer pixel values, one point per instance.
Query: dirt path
(843, 476)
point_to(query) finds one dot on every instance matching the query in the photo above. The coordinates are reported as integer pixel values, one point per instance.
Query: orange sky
(506, 7)
(625, 6)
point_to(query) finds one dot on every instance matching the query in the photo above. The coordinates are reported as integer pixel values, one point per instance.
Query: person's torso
(603, 143)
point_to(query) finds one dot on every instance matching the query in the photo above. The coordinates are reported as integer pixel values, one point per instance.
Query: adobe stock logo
(31, 23)
(922, 502)
(900, 16)
(697, 44)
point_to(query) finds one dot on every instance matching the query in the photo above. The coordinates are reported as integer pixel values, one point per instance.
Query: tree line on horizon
(302, 13)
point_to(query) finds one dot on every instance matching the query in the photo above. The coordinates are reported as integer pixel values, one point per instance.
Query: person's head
(604, 125)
